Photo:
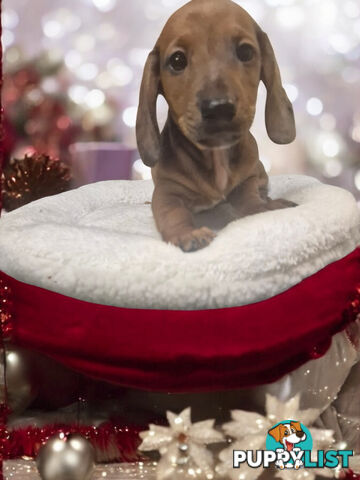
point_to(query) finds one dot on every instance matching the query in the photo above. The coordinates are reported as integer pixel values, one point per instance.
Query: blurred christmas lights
(314, 106)
(129, 116)
(104, 46)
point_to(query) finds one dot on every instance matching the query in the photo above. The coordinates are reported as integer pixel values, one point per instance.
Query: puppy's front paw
(194, 240)
(280, 203)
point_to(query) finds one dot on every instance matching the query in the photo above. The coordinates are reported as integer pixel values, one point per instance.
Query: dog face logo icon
(289, 445)
(289, 439)
(288, 434)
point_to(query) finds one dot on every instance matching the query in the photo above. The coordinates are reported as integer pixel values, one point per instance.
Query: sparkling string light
(26, 470)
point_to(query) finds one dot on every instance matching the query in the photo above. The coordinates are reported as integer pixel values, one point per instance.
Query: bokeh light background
(104, 44)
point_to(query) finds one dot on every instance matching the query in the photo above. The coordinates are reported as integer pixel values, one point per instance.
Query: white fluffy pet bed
(99, 244)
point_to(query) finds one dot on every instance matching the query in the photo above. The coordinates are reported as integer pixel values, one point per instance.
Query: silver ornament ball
(21, 386)
(63, 457)
(183, 447)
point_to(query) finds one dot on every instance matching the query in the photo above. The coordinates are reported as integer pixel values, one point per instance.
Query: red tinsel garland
(120, 440)
(349, 475)
(6, 326)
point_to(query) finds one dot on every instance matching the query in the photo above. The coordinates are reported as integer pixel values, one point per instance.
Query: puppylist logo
(289, 445)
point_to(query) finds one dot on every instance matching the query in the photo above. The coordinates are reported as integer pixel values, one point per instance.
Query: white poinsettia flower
(180, 442)
(322, 439)
(225, 467)
(245, 424)
(277, 411)
(250, 429)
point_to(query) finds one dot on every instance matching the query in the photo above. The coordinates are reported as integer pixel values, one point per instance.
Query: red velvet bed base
(190, 351)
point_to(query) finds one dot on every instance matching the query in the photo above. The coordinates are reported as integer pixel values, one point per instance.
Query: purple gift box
(97, 161)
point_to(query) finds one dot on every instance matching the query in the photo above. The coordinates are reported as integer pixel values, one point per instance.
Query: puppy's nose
(299, 434)
(217, 109)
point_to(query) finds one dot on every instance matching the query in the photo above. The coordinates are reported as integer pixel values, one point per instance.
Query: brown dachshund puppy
(208, 62)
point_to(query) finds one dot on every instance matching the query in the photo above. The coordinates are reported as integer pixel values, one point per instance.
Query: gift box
(97, 161)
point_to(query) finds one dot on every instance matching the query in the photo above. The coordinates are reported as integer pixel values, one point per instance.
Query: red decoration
(6, 307)
(349, 475)
(192, 351)
(354, 307)
(8, 141)
(48, 121)
(35, 116)
(50, 129)
(119, 439)
(5, 331)
(31, 178)
(6, 328)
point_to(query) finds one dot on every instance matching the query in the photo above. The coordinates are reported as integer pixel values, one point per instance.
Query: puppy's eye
(286, 433)
(178, 61)
(245, 52)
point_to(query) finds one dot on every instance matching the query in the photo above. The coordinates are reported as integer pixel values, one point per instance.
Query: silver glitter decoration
(26, 470)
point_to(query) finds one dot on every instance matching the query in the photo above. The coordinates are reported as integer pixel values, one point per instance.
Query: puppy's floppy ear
(296, 425)
(279, 114)
(147, 129)
(276, 432)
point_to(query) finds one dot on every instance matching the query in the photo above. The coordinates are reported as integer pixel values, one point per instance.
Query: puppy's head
(288, 434)
(208, 62)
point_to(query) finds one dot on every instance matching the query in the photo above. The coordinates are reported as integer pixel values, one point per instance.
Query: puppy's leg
(251, 197)
(175, 223)
(248, 198)
(279, 203)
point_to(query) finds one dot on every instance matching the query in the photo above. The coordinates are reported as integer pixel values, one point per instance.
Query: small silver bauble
(21, 387)
(183, 447)
(66, 458)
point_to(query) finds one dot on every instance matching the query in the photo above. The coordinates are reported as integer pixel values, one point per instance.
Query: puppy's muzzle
(218, 109)
(219, 125)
